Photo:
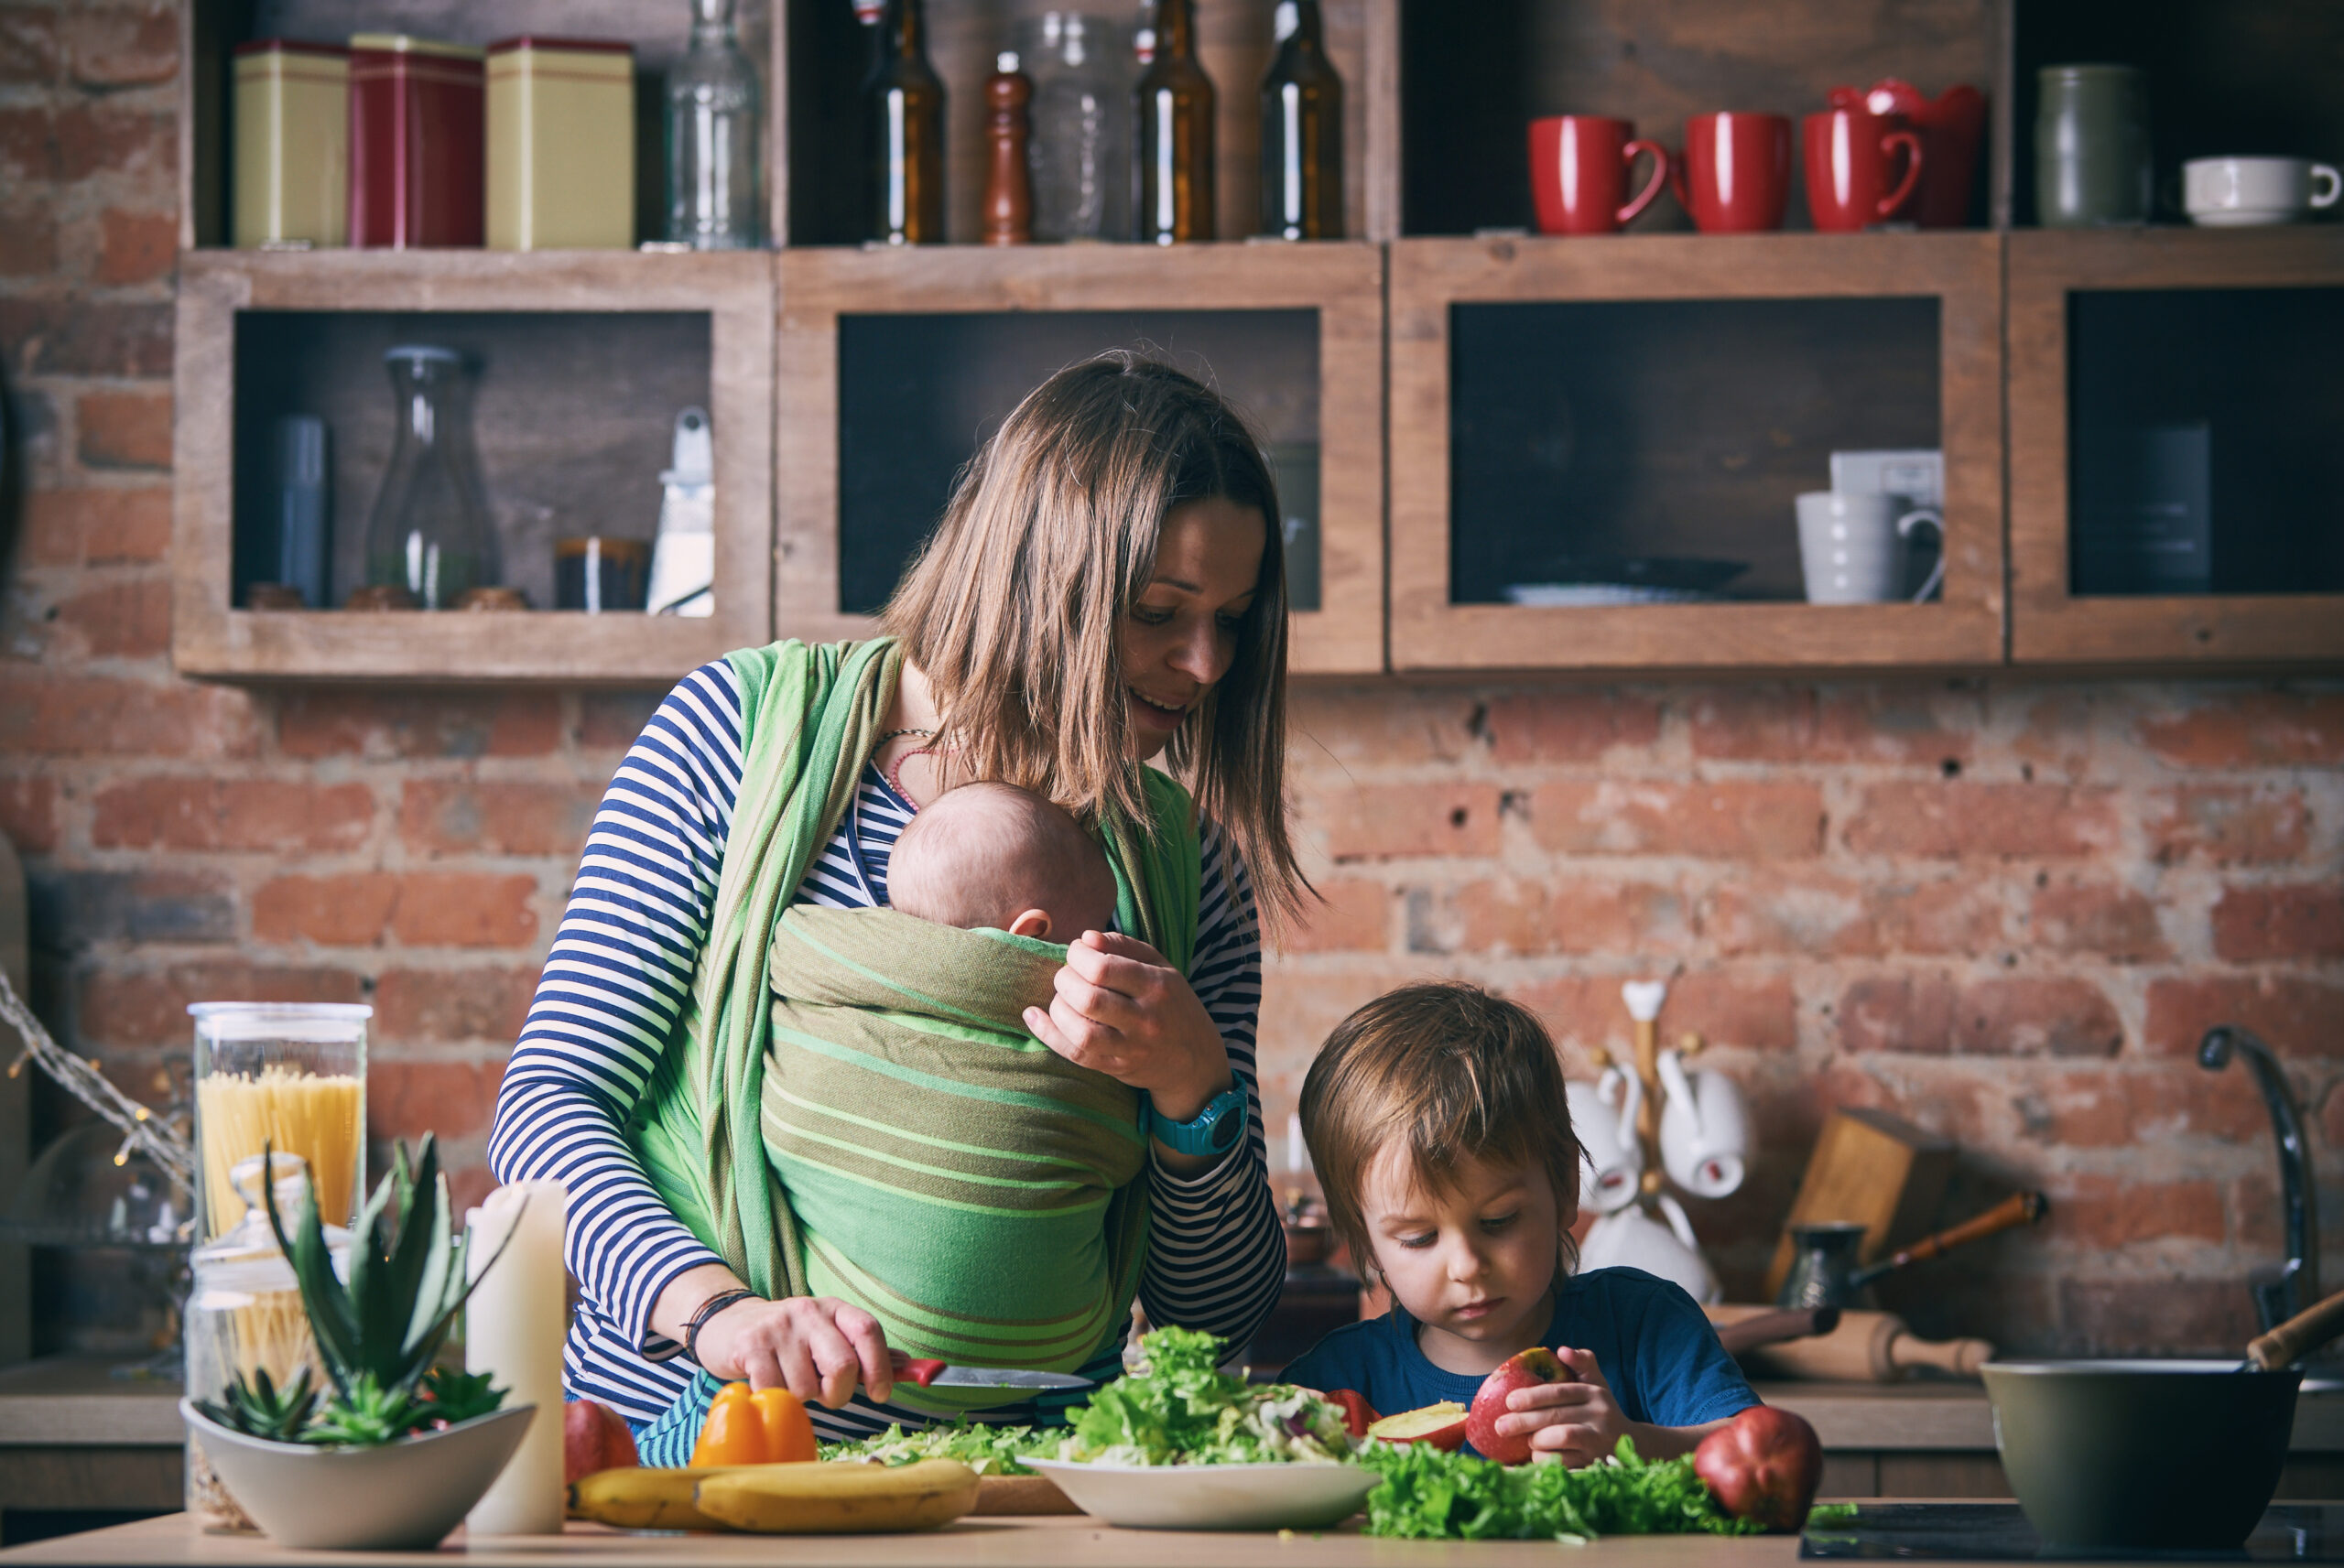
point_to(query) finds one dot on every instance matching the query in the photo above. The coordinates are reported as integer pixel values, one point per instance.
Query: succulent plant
(453, 1396)
(366, 1414)
(259, 1408)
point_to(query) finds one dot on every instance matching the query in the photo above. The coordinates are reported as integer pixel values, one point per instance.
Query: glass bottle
(1081, 119)
(1302, 131)
(1175, 187)
(903, 131)
(429, 532)
(712, 138)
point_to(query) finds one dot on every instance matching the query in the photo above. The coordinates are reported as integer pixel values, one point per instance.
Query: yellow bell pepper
(767, 1426)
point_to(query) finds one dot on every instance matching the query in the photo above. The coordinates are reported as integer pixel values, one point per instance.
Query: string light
(144, 1132)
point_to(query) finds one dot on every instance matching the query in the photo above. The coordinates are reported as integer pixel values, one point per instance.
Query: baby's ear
(1034, 922)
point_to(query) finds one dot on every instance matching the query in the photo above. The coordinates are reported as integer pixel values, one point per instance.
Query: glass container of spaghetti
(245, 1319)
(284, 1075)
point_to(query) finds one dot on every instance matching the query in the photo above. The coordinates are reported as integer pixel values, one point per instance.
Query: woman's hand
(818, 1347)
(1120, 1009)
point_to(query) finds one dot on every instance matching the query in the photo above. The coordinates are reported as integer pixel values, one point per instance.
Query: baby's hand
(1577, 1423)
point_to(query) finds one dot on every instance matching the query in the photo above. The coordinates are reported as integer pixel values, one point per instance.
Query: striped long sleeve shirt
(617, 980)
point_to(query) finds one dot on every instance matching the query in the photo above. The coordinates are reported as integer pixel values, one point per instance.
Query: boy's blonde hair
(1015, 609)
(1449, 1075)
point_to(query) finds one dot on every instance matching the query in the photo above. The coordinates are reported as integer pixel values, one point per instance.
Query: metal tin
(292, 151)
(416, 142)
(561, 144)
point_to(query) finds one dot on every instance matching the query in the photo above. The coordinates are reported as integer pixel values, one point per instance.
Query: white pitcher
(1704, 1129)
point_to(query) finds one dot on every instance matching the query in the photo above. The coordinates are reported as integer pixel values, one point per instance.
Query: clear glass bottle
(429, 532)
(1083, 126)
(712, 138)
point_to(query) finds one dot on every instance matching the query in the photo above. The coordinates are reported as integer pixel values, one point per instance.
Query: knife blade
(930, 1374)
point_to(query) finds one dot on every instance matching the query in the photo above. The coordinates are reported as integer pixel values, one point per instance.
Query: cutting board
(1867, 1348)
(1871, 1169)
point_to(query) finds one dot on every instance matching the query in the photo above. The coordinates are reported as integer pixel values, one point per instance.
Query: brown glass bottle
(903, 131)
(1173, 195)
(1302, 131)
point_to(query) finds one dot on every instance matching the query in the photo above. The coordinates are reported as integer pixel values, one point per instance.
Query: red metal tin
(417, 116)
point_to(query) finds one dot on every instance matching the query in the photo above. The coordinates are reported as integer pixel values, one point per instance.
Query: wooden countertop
(77, 1402)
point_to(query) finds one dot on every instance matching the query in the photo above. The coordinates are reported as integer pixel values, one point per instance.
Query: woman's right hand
(818, 1347)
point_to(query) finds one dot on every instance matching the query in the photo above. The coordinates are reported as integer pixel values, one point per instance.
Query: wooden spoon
(2297, 1337)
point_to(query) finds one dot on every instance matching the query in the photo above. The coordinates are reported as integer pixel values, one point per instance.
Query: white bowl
(404, 1496)
(1214, 1496)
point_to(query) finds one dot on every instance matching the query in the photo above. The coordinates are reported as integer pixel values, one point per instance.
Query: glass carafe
(712, 137)
(1082, 121)
(429, 534)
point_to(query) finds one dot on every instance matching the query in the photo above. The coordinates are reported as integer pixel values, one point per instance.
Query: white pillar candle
(513, 1328)
(1297, 1153)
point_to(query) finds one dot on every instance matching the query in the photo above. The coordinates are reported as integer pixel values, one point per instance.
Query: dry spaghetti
(322, 1119)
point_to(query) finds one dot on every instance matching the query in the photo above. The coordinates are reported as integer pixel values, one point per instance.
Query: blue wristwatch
(1215, 1131)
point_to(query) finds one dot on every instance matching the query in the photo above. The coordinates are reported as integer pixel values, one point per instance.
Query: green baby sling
(720, 1118)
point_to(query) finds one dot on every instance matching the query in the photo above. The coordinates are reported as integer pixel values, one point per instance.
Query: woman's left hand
(1123, 1010)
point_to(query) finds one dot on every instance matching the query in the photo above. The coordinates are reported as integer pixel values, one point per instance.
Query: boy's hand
(1577, 1421)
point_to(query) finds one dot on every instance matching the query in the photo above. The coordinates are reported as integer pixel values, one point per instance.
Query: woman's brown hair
(1015, 607)
(1448, 1074)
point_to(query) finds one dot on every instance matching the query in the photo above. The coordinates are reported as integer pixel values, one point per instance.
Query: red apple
(1442, 1426)
(1529, 1370)
(593, 1437)
(1358, 1414)
(1764, 1465)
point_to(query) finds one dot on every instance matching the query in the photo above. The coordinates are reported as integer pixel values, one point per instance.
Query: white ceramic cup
(1852, 546)
(1663, 1246)
(2247, 192)
(1704, 1130)
(1604, 1118)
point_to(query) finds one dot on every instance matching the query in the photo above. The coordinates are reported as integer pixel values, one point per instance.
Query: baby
(1437, 1119)
(996, 855)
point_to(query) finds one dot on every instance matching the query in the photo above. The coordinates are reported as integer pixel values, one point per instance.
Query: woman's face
(1181, 633)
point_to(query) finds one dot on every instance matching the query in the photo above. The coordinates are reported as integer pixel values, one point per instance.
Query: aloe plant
(259, 1408)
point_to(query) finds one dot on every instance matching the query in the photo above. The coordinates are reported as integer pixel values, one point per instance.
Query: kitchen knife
(940, 1375)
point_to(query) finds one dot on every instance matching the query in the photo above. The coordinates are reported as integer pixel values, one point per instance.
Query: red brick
(2254, 730)
(468, 1184)
(1375, 822)
(2226, 824)
(349, 911)
(28, 814)
(1298, 1010)
(1955, 819)
(465, 817)
(99, 137)
(27, 143)
(135, 46)
(1379, 724)
(2258, 1223)
(454, 1004)
(1583, 1012)
(2111, 1211)
(1729, 820)
(2106, 919)
(98, 715)
(79, 337)
(137, 247)
(150, 1009)
(2118, 1107)
(2296, 1016)
(178, 812)
(121, 620)
(2303, 921)
(1758, 1011)
(1790, 911)
(30, 51)
(466, 909)
(406, 1099)
(1912, 1013)
(2155, 1316)
(125, 430)
(27, 234)
(2025, 1015)
(1569, 726)
(610, 720)
(1952, 916)
(379, 724)
(1867, 724)
(1355, 916)
(97, 526)
(1573, 914)
(2332, 1111)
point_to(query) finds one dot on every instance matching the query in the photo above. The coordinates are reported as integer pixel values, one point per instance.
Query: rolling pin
(1866, 1347)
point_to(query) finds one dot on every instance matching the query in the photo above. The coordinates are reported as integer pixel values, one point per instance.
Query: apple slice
(1527, 1369)
(1442, 1426)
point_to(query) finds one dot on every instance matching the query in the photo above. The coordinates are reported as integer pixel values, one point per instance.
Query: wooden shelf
(210, 638)
(1341, 283)
(1960, 271)
(2048, 623)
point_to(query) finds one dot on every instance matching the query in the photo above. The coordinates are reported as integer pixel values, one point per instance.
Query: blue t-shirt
(1652, 1344)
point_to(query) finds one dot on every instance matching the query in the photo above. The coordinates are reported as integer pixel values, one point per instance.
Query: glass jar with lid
(284, 1075)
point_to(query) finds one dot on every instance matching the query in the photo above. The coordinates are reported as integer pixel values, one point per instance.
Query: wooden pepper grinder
(1009, 182)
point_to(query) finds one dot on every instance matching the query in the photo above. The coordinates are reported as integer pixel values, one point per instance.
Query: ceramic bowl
(1214, 1496)
(404, 1496)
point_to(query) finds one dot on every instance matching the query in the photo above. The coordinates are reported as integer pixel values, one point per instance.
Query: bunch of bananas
(817, 1497)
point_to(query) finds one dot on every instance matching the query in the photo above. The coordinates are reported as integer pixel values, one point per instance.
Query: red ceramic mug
(1850, 155)
(1579, 173)
(1734, 175)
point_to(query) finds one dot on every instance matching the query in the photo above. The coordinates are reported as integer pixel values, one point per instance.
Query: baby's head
(994, 854)
(1437, 1119)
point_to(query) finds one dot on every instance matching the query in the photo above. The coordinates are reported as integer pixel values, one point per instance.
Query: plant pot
(403, 1495)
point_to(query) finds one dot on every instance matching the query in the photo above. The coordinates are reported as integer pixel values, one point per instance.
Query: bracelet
(709, 1309)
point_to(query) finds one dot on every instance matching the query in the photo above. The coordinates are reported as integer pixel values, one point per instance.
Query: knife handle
(922, 1372)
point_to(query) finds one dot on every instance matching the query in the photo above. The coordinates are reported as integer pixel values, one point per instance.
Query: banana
(643, 1497)
(831, 1498)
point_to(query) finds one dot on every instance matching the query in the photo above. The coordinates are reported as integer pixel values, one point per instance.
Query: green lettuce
(987, 1450)
(1183, 1410)
(1428, 1495)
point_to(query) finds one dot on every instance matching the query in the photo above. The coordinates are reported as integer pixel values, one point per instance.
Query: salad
(1181, 1409)
(987, 1450)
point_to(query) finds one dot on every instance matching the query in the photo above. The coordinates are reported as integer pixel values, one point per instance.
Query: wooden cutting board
(1867, 1348)
(1870, 1169)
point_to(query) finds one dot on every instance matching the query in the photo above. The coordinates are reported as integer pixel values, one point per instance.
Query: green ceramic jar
(2091, 146)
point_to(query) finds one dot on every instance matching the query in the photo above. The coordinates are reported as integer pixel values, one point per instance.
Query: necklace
(894, 774)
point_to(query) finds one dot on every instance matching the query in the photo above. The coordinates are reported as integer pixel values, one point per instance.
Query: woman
(1105, 587)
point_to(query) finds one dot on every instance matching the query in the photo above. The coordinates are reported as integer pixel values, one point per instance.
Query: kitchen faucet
(2284, 1290)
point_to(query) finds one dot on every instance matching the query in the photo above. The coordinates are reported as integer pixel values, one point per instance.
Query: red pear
(1764, 1465)
(1442, 1426)
(1528, 1370)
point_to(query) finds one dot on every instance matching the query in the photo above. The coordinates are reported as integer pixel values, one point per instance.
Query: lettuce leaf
(1183, 1410)
(1427, 1495)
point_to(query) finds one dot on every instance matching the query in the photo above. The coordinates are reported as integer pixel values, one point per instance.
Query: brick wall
(2003, 909)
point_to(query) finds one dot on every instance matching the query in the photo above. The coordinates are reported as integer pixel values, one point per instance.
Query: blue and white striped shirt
(618, 978)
